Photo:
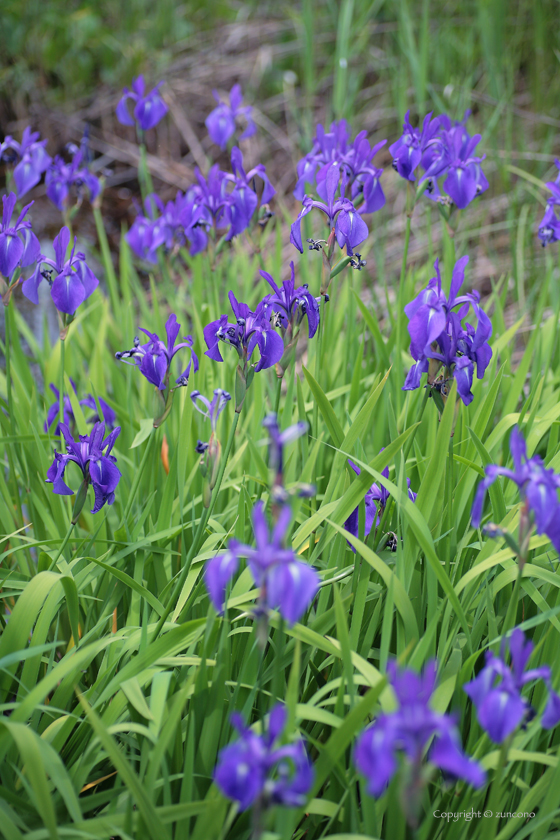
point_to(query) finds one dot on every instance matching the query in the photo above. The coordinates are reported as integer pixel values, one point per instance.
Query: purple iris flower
(278, 440)
(496, 691)
(439, 340)
(154, 358)
(148, 110)
(31, 156)
(250, 330)
(443, 150)
(93, 456)
(250, 769)
(245, 198)
(355, 160)
(61, 177)
(221, 122)
(292, 305)
(284, 582)
(408, 731)
(349, 226)
(18, 243)
(549, 228)
(108, 415)
(213, 408)
(178, 221)
(408, 150)
(376, 500)
(74, 280)
(538, 488)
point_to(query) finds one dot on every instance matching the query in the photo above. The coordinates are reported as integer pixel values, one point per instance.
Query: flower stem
(318, 359)
(61, 393)
(278, 393)
(197, 539)
(8, 346)
(400, 304)
(138, 477)
(62, 547)
(490, 825)
(509, 620)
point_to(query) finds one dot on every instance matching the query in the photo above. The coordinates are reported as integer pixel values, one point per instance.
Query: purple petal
(217, 574)
(67, 292)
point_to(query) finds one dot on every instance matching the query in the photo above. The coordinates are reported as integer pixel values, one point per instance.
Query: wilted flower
(18, 243)
(108, 415)
(221, 122)
(30, 157)
(93, 456)
(74, 280)
(211, 451)
(148, 110)
(496, 691)
(375, 500)
(251, 771)
(408, 731)
(350, 229)
(284, 582)
(441, 346)
(538, 488)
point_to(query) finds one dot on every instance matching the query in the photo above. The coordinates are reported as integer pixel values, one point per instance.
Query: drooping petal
(11, 252)
(67, 292)
(217, 574)
(292, 587)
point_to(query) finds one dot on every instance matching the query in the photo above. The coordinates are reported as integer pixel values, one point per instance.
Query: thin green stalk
(138, 477)
(206, 514)
(318, 359)
(490, 824)
(8, 345)
(509, 620)
(61, 392)
(418, 419)
(62, 547)
(400, 296)
(278, 393)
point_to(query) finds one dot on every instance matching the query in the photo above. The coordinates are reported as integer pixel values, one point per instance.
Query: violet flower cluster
(222, 203)
(355, 161)
(252, 772)
(549, 228)
(538, 488)
(444, 151)
(63, 179)
(496, 691)
(375, 500)
(223, 120)
(92, 454)
(73, 281)
(30, 158)
(408, 731)
(250, 330)
(149, 108)
(440, 345)
(108, 415)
